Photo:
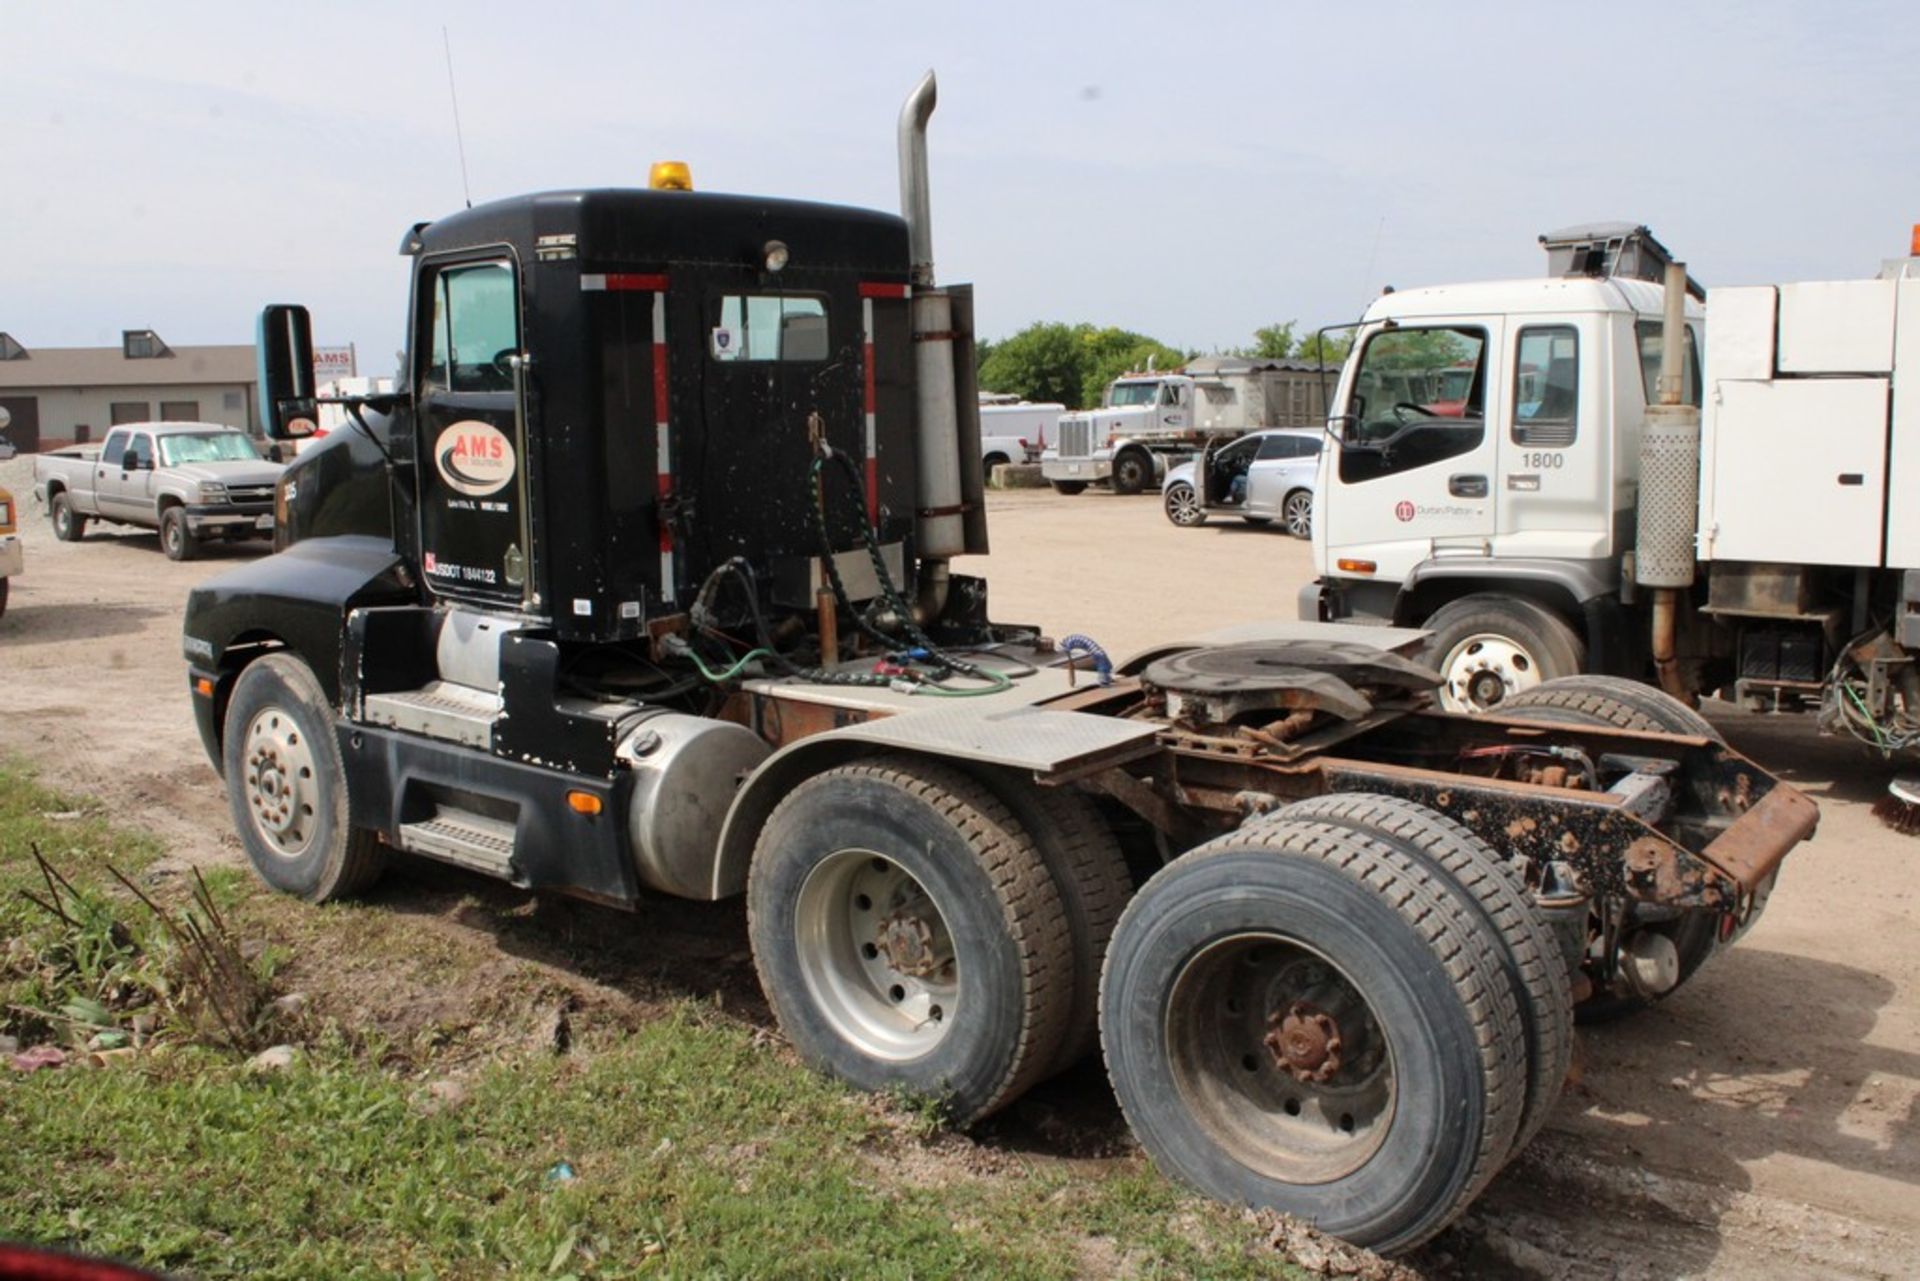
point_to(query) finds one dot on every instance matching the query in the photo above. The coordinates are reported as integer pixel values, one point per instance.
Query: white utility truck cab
(1582, 507)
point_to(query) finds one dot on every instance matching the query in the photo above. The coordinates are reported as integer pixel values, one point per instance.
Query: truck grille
(1076, 437)
(250, 493)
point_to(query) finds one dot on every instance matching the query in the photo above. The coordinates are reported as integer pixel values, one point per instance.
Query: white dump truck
(1757, 535)
(1150, 421)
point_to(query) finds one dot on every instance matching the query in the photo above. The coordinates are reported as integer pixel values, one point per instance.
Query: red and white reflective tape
(662, 447)
(623, 282)
(868, 292)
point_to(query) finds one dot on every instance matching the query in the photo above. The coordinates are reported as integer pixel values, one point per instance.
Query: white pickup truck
(190, 481)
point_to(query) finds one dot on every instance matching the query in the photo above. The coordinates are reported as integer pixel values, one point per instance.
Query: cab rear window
(765, 327)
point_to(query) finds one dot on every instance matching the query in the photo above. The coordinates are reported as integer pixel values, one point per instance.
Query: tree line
(1072, 364)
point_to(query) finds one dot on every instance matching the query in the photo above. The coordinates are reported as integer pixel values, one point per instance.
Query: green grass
(697, 1150)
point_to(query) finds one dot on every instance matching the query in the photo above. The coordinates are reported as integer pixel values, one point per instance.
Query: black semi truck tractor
(639, 585)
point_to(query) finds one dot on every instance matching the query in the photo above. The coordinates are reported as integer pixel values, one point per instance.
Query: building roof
(110, 367)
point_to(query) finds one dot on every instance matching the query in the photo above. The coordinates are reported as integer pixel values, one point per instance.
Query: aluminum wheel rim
(279, 782)
(1241, 1072)
(1299, 515)
(876, 955)
(173, 534)
(1183, 505)
(1485, 670)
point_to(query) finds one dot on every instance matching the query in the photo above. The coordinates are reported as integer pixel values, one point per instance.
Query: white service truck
(1760, 540)
(1013, 430)
(1149, 421)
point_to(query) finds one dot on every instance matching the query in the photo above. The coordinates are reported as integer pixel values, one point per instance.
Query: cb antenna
(459, 139)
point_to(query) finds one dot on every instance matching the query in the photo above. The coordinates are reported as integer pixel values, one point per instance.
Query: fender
(306, 590)
(1023, 738)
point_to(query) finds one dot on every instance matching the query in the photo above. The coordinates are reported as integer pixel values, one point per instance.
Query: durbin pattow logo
(474, 458)
(1403, 510)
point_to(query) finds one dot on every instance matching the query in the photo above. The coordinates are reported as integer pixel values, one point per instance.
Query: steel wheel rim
(1485, 670)
(876, 955)
(279, 782)
(1243, 1022)
(172, 532)
(1299, 515)
(1183, 505)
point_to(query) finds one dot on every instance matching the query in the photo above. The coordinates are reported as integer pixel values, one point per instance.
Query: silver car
(1261, 477)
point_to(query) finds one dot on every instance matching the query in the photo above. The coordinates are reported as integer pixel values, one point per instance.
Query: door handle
(1853, 478)
(1467, 486)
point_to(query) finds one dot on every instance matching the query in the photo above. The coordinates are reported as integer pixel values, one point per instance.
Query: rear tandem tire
(1612, 702)
(1068, 488)
(877, 889)
(1285, 950)
(1090, 873)
(1536, 969)
(286, 787)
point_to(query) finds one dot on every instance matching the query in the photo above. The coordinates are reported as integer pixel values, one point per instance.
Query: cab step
(439, 709)
(458, 836)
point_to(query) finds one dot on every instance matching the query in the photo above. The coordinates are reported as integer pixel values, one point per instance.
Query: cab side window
(475, 327)
(1279, 447)
(1546, 387)
(1651, 338)
(115, 449)
(139, 452)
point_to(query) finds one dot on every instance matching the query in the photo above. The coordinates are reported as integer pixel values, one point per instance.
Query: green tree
(1273, 342)
(1332, 348)
(1044, 361)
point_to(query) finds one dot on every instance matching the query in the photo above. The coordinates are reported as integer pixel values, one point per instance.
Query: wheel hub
(907, 941)
(1485, 670)
(1305, 1042)
(279, 784)
(876, 955)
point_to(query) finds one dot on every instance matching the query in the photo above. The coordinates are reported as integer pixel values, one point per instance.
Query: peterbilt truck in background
(1756, 536)
(1149, 421)
(190, 481)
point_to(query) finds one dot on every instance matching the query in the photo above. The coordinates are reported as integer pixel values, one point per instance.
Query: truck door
(473, 475)
(115, 461)
(135, 490)
(1552, 484)
(1410, 473)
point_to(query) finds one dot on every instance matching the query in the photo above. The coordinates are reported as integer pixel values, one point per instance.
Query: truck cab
(1486, 443)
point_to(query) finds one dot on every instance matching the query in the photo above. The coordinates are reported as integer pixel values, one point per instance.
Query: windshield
(1133, 394)
(207, 447)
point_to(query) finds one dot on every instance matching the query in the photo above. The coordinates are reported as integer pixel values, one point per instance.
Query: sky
(1189, 171)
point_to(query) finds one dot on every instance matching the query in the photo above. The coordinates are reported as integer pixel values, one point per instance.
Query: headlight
(6, 516)
(212, 492)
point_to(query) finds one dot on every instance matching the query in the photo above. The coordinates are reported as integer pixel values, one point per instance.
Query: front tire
(176, 540)
(1299, 1017)
(1132, 472)
(1490, 648)
(1182, 505)
(287, 789)
(69, 526)
(1069, 488)
(909, 935)
(1297, 512)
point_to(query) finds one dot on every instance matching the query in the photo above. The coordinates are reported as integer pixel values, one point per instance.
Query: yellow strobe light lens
(670, 175)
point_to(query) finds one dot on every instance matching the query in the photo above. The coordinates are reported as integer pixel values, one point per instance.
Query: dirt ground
(1765, 1122)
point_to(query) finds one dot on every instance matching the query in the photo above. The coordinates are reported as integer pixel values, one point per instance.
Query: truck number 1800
(1543, 462)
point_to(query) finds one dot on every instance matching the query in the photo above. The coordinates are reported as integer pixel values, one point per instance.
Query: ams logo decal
(474, 458)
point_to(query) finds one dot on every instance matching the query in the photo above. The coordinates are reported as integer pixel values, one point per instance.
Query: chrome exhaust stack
(949, 521)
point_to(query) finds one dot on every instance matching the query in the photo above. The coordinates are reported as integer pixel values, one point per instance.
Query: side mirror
(284, 346)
